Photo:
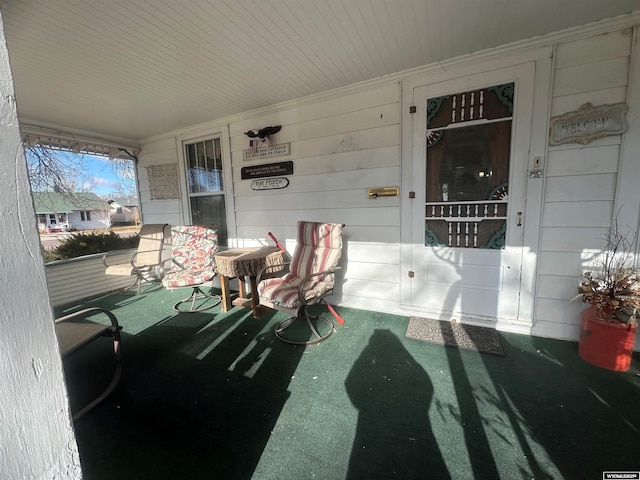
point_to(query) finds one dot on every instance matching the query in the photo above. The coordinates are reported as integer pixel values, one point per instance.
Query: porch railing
(83, 277)
(79, 278)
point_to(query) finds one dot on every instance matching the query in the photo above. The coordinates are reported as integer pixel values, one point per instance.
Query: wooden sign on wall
(267, 170)
(266, 152)
(588, 123)
(276, 183)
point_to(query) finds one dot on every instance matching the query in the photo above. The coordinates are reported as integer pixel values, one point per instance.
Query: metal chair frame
(301, 312)
(72, 336)
(141, 272)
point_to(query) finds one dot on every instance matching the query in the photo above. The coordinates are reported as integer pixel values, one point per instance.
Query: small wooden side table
(245, 262)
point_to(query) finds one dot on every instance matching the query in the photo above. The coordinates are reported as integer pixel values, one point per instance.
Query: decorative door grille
(468, 142)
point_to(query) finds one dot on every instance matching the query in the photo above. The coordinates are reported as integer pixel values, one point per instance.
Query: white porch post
(36, 432)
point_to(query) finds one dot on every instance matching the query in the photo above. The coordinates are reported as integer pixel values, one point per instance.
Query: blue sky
(102, 178)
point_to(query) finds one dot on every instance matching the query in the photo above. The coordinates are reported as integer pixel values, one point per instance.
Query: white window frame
(221, 132)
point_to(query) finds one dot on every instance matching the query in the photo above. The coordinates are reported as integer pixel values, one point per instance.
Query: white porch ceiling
(138, 68)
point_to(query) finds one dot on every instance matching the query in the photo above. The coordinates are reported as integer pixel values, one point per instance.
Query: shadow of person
(393, 394)
(199, 401)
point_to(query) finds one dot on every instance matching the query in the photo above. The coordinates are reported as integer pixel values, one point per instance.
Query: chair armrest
(110, 254)
(90, 311)
(303, 301)
(134, 257)
(82, 338)
(268, 267)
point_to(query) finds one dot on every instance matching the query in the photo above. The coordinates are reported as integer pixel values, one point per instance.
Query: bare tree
(58, 170)
(125, 170)
(54, 170)
(124, 190)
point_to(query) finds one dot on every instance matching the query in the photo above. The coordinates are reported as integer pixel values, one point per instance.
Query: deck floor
(215, 395)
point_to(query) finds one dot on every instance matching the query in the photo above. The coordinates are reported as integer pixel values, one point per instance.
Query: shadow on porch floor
(215, 395)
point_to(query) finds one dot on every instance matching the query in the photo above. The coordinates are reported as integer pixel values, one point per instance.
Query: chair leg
(137, 285)
(129, 290)
(304, 315)
(197, 294)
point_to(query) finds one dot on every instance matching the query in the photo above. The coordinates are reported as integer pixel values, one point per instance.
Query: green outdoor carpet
(452, 334)
(216, 396)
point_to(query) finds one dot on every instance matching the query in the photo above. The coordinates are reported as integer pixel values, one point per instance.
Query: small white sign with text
(270, 183)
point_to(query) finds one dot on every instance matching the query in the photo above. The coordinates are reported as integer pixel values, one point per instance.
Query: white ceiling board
(138, 68)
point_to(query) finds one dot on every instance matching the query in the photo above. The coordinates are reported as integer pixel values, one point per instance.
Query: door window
(468, 143)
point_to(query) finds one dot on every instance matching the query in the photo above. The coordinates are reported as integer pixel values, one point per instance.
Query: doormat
(469, 337)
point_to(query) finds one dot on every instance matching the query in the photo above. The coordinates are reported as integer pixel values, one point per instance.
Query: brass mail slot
(383, 192)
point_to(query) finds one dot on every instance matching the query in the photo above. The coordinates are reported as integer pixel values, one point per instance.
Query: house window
(85, 216)
(205, 186)
(52, 219)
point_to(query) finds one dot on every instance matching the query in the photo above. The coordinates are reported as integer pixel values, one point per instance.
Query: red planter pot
(604, 343)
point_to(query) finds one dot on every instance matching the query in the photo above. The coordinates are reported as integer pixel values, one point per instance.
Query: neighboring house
(62, 212)
(124, 211)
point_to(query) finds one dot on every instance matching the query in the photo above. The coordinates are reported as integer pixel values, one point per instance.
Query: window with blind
(205, 186)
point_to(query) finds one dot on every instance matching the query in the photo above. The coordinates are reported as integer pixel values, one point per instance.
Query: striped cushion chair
(311, 277)
(193, 266)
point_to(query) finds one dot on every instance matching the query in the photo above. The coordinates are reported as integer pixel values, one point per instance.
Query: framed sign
(267, 170)
(266, 152)
(588, 123)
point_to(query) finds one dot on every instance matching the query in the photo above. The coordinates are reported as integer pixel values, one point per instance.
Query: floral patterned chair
(311, 277)
(193, 265)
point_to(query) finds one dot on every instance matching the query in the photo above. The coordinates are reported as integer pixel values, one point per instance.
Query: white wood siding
(340, 147)
(161, 152)
(83, 277)
(580, 180)
(347, 141)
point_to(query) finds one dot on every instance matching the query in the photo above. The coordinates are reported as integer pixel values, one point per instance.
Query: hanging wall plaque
(267, 151)
(588, 123)
(270, 183)
(267, 170)
(163, 181)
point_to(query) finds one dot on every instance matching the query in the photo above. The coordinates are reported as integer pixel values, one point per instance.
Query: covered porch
(216, 395)
(351, 85)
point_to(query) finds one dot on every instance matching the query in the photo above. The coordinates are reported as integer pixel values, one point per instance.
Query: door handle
(519, 219)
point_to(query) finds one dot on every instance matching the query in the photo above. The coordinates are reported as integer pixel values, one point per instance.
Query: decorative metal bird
(263, 133)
